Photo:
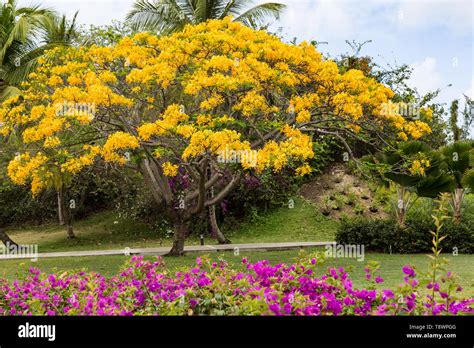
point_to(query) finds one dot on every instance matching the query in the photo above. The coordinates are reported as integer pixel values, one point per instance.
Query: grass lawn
(390, 264)
(301, 223)
(107, 231)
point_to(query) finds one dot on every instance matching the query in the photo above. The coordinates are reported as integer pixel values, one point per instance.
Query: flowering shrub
(214, 288)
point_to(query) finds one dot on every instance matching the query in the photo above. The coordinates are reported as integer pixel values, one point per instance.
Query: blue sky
(435, 37)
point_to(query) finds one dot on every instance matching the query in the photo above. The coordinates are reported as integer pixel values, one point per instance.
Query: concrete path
(164, 250)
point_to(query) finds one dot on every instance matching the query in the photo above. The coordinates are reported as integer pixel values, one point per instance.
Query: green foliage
(351, 198)
(256, 195)
(105, 35)
(17, 206)
(339, 200)
(359, 209)
(457, 160)
(167, 16)
(384, 235)
(26, 33)
(395, 165)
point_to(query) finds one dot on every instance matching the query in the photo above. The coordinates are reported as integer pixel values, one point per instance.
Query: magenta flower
(147, 288)
(409, 271)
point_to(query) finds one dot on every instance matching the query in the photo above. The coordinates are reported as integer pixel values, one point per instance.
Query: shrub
(257, 194)
(384, 235)
(214, 288)
(18, 206)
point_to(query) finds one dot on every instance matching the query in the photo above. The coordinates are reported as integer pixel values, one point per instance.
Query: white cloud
(322, 19)
(425, 76)
(97, 12)
(454, 15)
(470, 92)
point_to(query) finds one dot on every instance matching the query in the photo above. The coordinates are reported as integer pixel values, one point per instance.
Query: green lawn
(301, 223)
(107, 231)
(390, 264)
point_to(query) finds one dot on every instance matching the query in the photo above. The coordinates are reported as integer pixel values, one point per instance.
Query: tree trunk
(68, 214)
(178, 239)
(69, 228)
(221, 238)
(457, 197)
(403, 200)
(61, 206)
(5, 238)
(150, 181)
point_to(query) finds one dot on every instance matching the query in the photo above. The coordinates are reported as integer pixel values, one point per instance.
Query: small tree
(195, 112)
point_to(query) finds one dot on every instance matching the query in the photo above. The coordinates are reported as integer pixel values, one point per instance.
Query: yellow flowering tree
(194, 111)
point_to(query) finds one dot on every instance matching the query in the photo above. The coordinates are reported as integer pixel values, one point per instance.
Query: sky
(435, 37)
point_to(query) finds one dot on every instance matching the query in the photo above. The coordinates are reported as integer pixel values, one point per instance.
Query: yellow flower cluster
(75, 165)
(170, 169)
(51, 142)
(24, 168)
(254, 103)
(418, 167)
(21, 168)
(170, 119)
(118, 141)
(415, 129)
(296, 147)
(214, 142)
(303, 170)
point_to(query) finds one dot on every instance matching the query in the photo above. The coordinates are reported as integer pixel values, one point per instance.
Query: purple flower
(444, 294)
(387, 294)
(409, 271)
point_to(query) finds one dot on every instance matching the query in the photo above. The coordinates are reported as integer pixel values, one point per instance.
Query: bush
(93, 191)
(214, 288)
(17, 205)
(260, 194)
(384, 235)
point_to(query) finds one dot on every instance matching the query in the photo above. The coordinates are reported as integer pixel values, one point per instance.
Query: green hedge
(384, 235)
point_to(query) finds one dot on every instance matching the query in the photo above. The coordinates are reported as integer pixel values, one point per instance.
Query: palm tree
(59, 31)
(457, 158)
(392, 165)
(19, 31)
(26, 33)
(167, 16)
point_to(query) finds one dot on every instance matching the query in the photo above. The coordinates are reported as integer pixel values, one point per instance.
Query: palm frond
(7, 92)
(258, 15)
(160, 16)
